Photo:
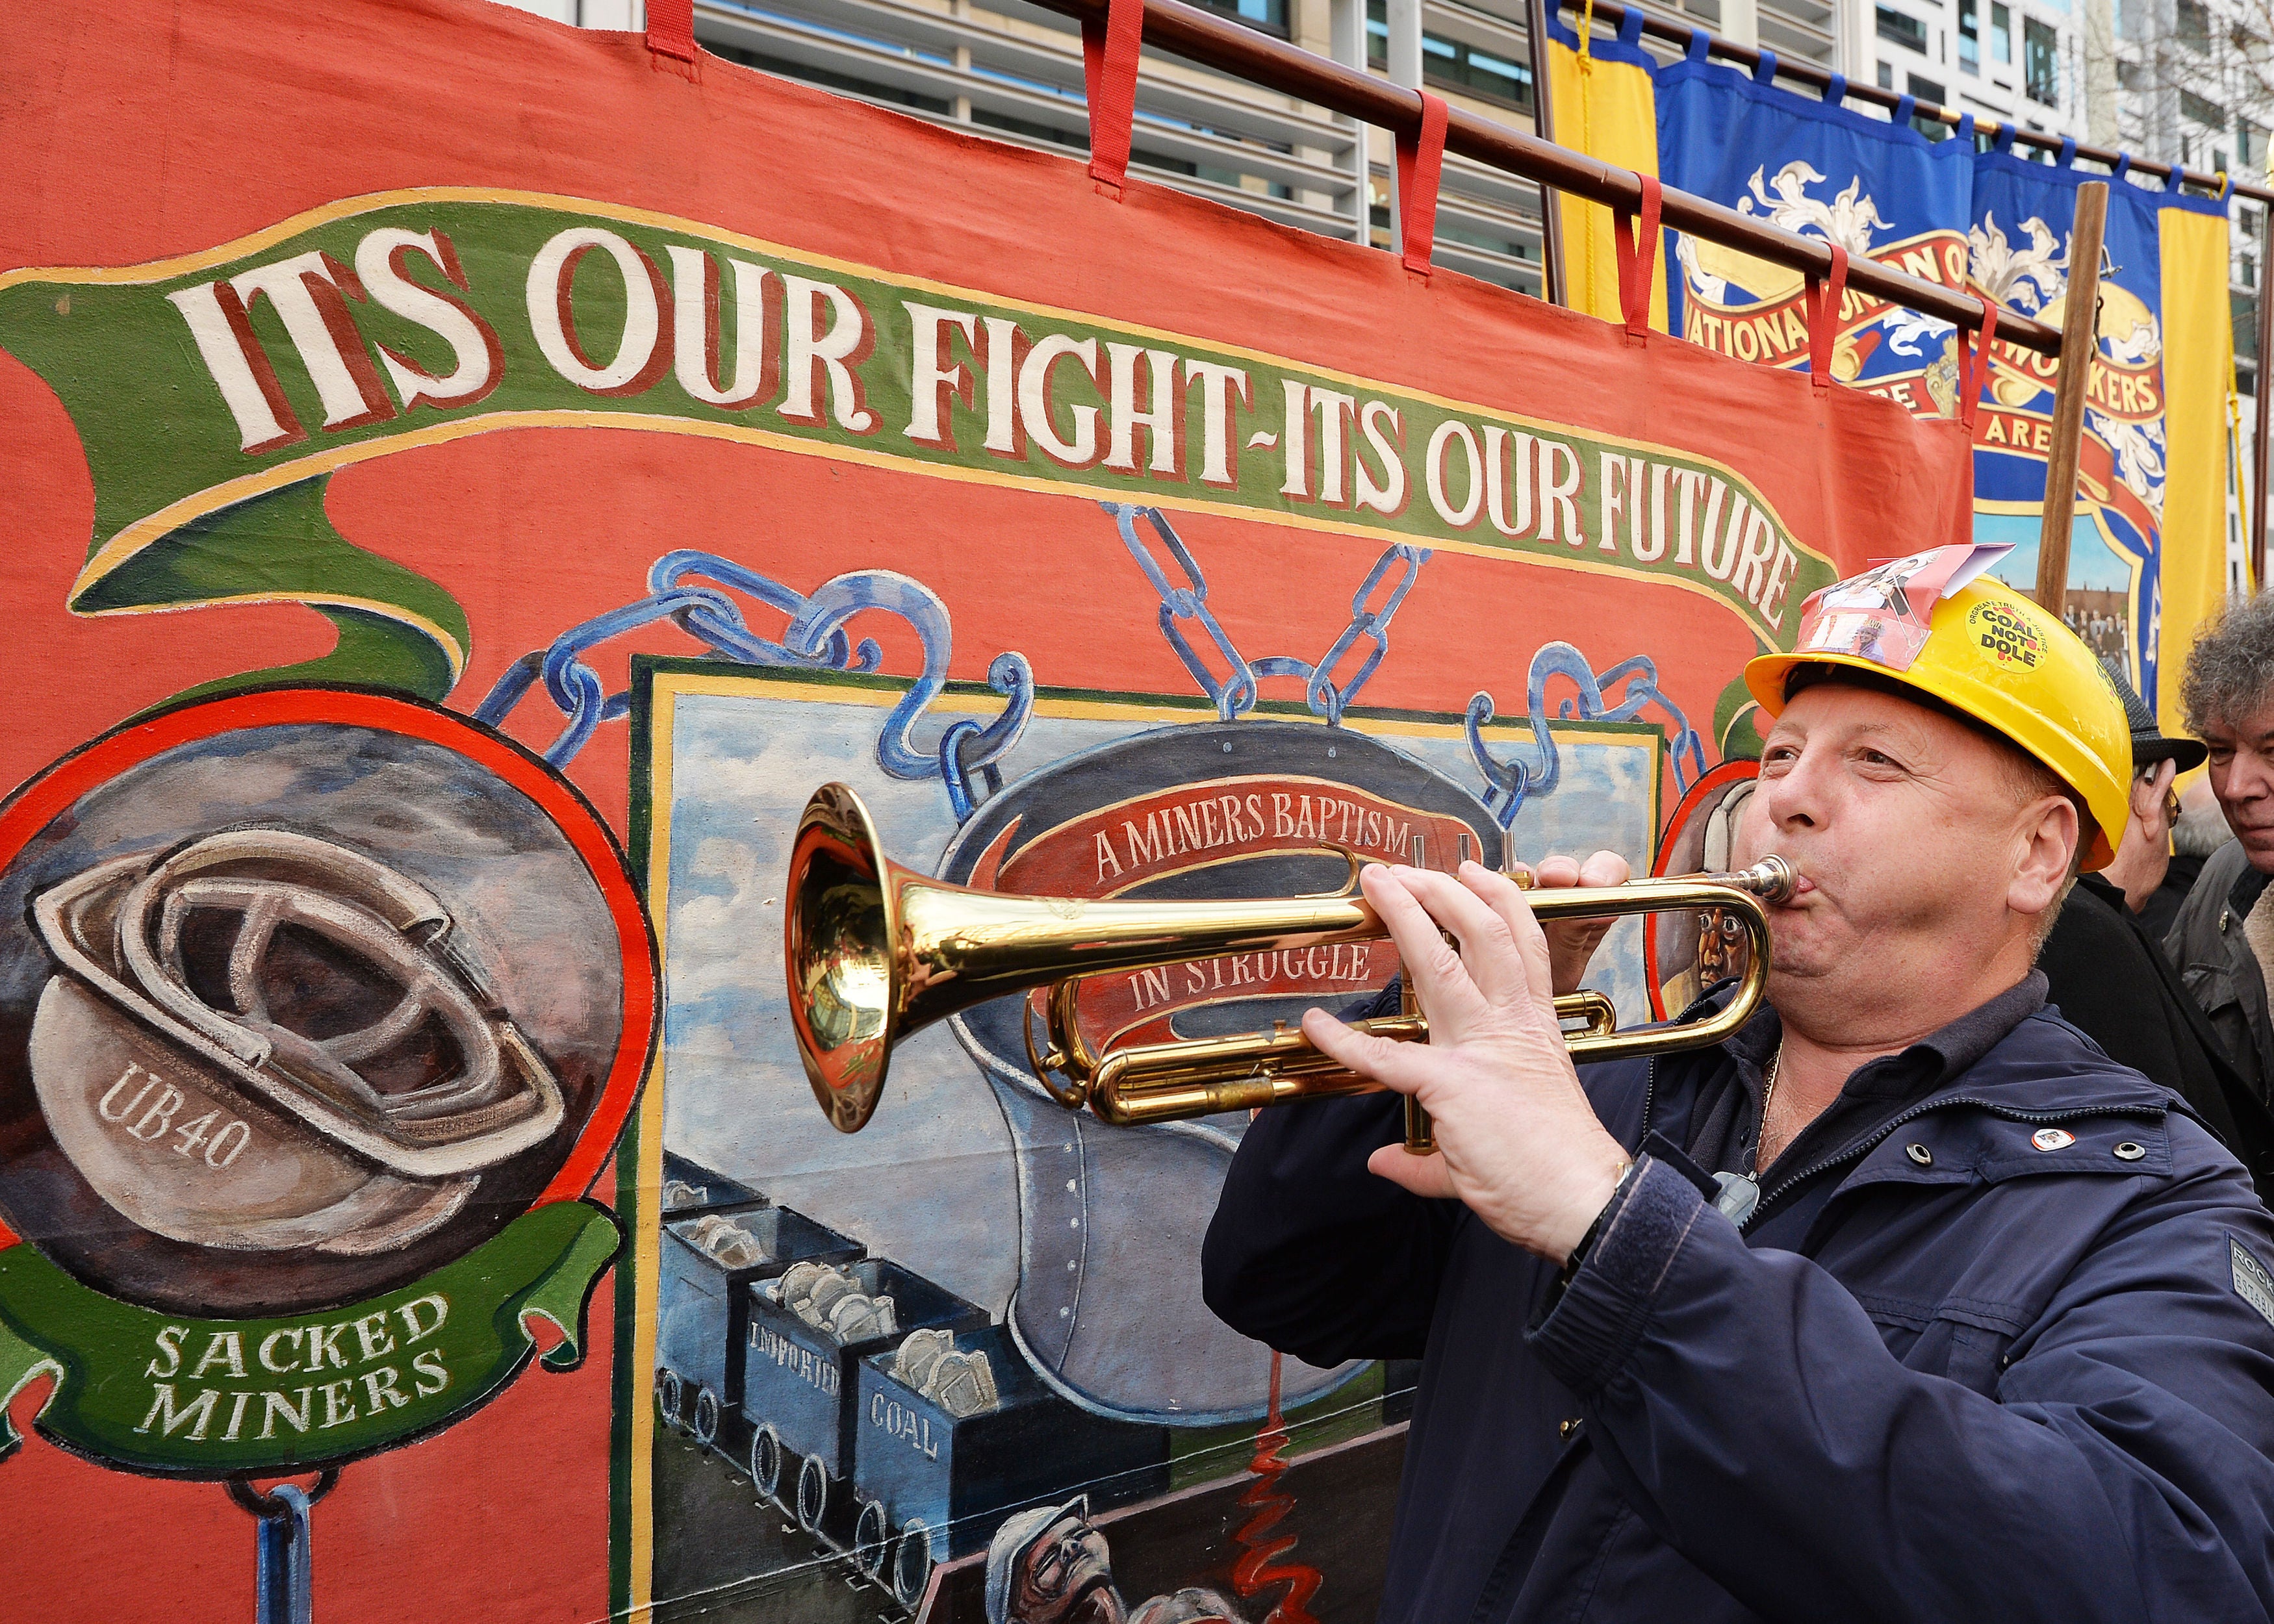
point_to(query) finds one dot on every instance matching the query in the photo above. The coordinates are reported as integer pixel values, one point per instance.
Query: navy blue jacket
(1970, 1380)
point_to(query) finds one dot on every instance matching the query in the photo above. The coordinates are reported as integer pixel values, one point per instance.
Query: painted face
(2242, 776)
(1066, 1577)
(1899, 821)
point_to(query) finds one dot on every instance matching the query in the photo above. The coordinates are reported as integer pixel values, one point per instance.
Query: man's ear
(2052, 836)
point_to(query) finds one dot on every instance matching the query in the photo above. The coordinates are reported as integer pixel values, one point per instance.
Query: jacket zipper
(1650, 1077)
(1872, 1141)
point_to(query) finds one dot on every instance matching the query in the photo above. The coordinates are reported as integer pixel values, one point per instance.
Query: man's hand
(1571, 943)
(1517, 1138)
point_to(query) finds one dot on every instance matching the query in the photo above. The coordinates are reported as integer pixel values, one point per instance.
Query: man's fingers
(1604, 868)
(1506, 900)
(1394, 1066)
(1488, 950)
(1424, 1176)
(1431, 968)
(1557, 870)
(1601, 868)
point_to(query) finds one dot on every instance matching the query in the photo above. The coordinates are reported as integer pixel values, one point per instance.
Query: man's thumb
(1423, 1176)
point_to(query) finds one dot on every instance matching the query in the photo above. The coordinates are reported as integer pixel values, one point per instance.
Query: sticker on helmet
(2005, 635)
(1885, 615)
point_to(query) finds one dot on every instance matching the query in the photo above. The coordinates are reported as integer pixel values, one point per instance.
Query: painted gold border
(669, 686)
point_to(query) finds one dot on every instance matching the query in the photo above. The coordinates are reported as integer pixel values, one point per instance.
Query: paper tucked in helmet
(1933, 623)
(264, 1040)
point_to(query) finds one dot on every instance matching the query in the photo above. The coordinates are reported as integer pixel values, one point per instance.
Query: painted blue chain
(1234, 694)
(1510, 782)
(815, 640)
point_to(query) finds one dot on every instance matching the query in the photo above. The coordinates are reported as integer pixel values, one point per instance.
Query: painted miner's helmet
(263, 1041)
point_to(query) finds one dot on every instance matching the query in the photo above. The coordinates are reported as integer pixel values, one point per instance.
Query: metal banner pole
(1537, 13)
(2262, 411)
(2080, 348)
(1402, 57)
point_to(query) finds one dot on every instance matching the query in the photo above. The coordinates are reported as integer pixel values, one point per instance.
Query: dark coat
(2215, 964)
(2111, 980)
(1977, 1380)
(2161, 911)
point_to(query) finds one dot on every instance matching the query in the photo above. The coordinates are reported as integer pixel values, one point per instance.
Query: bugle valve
(875, 951)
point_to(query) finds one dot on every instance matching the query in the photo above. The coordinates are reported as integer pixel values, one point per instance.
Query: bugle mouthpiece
(1771, 879)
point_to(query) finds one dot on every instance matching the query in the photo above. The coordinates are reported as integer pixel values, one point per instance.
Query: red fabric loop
(1109, 72)
(1822, 300)
(1637, 258)
(1974, 363)
(1420, 164)
(671, 28)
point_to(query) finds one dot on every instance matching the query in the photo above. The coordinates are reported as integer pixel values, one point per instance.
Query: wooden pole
(2262, 413)
(1552, 284)
(2080, 348)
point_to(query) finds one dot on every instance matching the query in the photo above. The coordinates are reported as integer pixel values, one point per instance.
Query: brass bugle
(875, 951)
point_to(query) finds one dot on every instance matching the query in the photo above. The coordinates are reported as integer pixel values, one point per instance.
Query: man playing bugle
(1904, 1303)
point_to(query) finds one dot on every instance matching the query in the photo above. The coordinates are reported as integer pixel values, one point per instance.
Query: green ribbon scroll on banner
(216, 394)
(210, 1398)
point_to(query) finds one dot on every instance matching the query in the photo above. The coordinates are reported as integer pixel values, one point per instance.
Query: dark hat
(2149, 744)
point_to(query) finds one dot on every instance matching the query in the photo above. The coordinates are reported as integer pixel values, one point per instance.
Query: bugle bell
(875, 951)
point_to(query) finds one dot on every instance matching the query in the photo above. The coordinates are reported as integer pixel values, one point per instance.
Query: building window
(1970, 40)
(2001, 36)
(2243, 313)
(1900, 28)
(2253, 143)
(850, 84)
(1927, 90)
(2041, 62)
(2194, 29)
(2205, 112)
(1268, 15)
(1450, 64)
(1886, 76)
(2131, 75)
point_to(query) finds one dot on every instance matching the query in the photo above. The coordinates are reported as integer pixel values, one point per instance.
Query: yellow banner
(1603, 106)
(2198, 364)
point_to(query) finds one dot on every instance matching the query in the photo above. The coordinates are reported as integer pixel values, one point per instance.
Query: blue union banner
(1982, 221)
(1874, 187)
(2023, 216)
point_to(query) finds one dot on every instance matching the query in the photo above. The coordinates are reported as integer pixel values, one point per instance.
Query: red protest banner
(448, 353)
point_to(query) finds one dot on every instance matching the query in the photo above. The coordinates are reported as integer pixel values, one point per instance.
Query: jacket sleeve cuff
(1594, 1328)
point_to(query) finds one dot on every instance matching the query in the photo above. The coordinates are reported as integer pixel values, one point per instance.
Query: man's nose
(1794, 796)
(2249, 777)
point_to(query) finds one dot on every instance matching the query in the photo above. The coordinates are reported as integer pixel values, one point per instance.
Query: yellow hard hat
(1993, 655)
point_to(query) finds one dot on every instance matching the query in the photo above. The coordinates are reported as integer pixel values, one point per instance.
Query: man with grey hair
(2224, 940)
(2110, 975)
(2198, 832)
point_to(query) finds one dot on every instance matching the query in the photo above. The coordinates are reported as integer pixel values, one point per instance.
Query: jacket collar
(1928, 1064)
(2248, 885)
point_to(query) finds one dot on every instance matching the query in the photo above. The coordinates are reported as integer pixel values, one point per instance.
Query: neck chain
(1768, 1097)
